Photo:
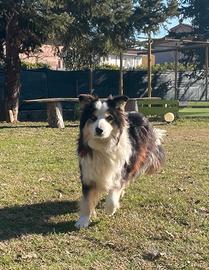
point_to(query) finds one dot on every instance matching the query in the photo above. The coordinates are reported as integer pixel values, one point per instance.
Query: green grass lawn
(163, 222)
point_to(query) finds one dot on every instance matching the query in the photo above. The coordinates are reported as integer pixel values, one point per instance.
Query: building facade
(131, 59)
(50, 55)
(47, 54)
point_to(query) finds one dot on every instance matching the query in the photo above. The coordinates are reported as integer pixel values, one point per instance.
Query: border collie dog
(113, 148)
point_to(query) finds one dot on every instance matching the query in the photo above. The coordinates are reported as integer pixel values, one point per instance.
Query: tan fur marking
(139, 162)
(87, 206)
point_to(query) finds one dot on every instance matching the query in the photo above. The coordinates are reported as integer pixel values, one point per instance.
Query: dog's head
(101, 119)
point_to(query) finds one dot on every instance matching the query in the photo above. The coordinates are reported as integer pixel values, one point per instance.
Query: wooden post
(149, 67)
(176, 73)
(90, 76)
(54, 113)
(131, 105)
(206, 73)
(76, 88)
(90, 80)
(121, 75)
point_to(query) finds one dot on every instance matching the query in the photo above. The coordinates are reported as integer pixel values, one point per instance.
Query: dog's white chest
(105, 168)
(101, 170)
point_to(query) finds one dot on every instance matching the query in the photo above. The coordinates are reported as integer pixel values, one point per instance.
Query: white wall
(129, 61)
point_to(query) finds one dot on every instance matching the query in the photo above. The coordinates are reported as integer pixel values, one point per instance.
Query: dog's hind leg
(87, 205)
(112, 200)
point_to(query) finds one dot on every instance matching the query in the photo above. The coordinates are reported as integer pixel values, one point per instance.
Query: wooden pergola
(176, 48)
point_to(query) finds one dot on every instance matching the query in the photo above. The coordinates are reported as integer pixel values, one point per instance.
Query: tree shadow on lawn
(29, 219)
(13, 126)
(22, 126)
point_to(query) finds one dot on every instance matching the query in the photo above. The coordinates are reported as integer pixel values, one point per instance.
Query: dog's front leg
(87, 205)
(112, 200)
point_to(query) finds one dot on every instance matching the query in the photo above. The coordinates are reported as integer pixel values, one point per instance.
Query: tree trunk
(12, 70)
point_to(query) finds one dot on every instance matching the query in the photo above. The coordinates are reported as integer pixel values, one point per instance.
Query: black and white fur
(113, 148)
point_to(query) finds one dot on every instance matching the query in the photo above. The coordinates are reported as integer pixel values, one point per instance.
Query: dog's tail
(159, 135)
(156, 155)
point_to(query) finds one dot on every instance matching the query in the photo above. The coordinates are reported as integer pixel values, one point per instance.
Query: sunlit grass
(167, 214)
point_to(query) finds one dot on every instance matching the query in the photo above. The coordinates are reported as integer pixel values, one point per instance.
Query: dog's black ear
(85, 99)
(120, 102)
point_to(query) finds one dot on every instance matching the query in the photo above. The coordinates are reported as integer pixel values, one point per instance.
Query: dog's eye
(109, 118)
(93, 118)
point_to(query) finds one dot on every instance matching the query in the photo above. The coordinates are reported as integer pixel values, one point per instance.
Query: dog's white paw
(94, 214)
(83, 222)
(122, 193)
(111, 207)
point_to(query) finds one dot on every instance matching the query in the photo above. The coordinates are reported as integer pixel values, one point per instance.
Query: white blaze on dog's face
(99, 125)
(101, 120)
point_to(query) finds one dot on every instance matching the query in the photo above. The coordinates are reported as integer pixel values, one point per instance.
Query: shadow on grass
(22, 126)
(34, 126)
(29, 219)
(72, 125)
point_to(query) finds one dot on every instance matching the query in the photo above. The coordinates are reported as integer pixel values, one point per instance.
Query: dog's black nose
(99, 131)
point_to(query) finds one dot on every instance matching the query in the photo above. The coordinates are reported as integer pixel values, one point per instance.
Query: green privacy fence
(43, 83)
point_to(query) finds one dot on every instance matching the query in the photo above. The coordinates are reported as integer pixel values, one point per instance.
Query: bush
(155, 68)
(107, 67)
(171, 67)
(26, 65)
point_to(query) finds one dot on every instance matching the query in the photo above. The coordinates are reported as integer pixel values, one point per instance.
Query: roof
(182, 27)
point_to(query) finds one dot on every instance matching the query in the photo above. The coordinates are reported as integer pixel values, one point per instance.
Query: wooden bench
(54, 109)
(156, 107)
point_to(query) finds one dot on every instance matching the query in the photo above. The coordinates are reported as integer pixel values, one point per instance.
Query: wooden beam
(180, 48)
(206, 72)
(121, 75)
(50, 100)
(90, 80)
(149, 55)
(187, 41)
(176, 73)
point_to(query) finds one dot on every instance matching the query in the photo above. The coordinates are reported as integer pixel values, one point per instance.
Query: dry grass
(163, 222)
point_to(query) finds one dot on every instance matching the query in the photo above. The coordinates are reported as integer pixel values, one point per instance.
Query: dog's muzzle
(99, 131)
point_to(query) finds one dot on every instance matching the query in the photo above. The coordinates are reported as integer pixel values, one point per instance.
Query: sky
(163, 32)
(171, 23)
